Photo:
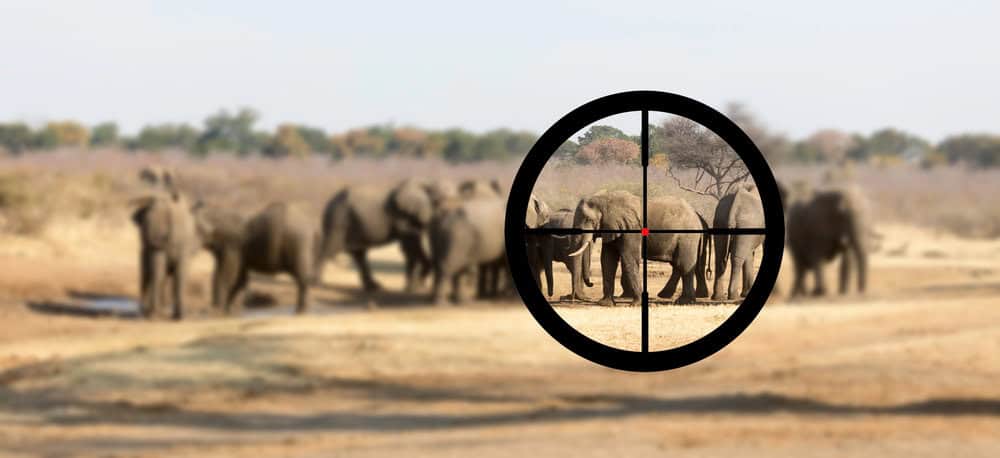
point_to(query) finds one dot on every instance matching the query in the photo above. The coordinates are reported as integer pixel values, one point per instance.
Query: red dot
(645, 231)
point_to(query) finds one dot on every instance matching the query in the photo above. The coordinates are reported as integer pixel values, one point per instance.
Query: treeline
(236, 133)
(886, 146)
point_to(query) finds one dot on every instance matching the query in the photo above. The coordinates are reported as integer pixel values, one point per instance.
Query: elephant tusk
(578, 252)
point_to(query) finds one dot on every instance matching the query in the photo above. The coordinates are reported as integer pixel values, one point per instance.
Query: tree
(408, 141)
(287, 142)
(893, 142)
(63, 133)
(15, 137)
(162, 136)
(689, 145)
(231, 132)
(600, 131)
(830, 145)
(775, 147)
(316, 138)
(104, 134)
(567, 150)
(979, 150)
(459, 145)
(609, 150)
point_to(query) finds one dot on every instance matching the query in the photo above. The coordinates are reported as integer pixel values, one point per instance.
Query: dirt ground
(909, 369)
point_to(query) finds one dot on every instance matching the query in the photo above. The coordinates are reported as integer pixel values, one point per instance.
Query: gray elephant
(168, 241)
(620, 210)
(741, 209)
(551, 247)
(468, 239)
(362, 217)
(822, 225)
(470, 189)
(278, 239)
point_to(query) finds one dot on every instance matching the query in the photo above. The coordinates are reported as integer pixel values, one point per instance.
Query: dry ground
(909, 370)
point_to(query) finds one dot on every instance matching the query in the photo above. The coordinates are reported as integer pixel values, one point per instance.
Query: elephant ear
(538, 213)
(544, 214)
(413, 206)
(495, 185)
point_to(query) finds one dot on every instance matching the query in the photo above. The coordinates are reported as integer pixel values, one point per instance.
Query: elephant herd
(455, 232)
(821, 226)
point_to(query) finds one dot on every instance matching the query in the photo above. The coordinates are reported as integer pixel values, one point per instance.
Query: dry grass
(36, 188)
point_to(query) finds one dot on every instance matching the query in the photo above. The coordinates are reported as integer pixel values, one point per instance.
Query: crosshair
(516, 232)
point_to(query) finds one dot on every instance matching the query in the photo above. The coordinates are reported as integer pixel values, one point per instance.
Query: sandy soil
(910, 369)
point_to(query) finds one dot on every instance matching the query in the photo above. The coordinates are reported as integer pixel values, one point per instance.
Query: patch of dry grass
(81, 184)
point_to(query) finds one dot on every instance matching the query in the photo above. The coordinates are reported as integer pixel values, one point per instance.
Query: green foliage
(979, 150)
(598, 131)
(163, 136)
(567, 150)
(459, 145)
(104, 135)
(888, 142)
(15, 137)
(63, 133)
(316, 138)
(231, 133)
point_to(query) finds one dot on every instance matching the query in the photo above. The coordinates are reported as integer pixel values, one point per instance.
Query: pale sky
(929, 68)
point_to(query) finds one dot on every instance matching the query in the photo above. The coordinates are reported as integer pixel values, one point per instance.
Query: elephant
(823, 224)
(621, 210)
(551, 247)
(358, 218)
(740, 209)
(280, 238)
(468, 239)
(480, 188)
(168, 241)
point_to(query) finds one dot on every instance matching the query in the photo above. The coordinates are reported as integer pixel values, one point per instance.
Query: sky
(927, 68)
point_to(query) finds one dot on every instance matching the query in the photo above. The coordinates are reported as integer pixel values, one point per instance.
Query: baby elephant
(278, 239)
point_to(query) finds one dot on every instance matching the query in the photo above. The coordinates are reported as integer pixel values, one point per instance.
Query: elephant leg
(735, 276)
(457, 280)
(671, 286)
(236, 291)
(179, 277)
(437, 293)
(631, 269)
(548, 252)
(302, 282)
(820, 289)
(687, 288)
(748, 275)
(609, 269)
(361, 261)
(799, 286)
(701, 290)
(719, 290)
(630, 291)
(156, 262)
(416, 262)
(217, 287)
(576, 291)
(481, 281)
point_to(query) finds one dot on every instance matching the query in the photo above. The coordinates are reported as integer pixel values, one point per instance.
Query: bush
(15, 137)
(287, 142)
